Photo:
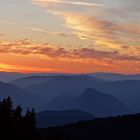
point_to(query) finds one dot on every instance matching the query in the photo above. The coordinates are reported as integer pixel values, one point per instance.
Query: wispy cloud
(106, 28)
(47, 31)
(69, 2)
(35, 29)
(102, 32)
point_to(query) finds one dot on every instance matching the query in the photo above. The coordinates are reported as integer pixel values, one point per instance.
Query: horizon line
(72, 73)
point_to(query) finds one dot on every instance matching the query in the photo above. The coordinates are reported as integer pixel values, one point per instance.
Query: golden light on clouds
(28, 56)
(71, 36)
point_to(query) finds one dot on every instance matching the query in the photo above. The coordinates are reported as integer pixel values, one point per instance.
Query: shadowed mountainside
(18, 95)
(43, 89)
(54, 118)
(118, 128)
(92, 101)
(126, 91)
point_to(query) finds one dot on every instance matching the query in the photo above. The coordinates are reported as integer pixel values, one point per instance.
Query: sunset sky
(70, 36)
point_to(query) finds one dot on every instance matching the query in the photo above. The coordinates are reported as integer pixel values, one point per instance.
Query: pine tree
(13, 125)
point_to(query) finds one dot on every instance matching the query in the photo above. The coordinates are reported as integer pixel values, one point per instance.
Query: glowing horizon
(70, 36)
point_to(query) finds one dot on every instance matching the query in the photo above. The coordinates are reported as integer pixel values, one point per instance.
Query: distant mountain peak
(91, 92)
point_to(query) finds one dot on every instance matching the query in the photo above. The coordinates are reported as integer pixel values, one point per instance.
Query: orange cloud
(24, 69)
(95, 65)
(49, 51)
(28, 56)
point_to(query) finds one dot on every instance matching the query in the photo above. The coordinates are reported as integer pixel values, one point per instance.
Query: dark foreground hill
(54, 118)
(118, 128)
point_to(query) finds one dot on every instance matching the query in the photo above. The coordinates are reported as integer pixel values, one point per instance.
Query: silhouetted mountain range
(71, 98)
(92, 101)
(48, 90)
(50, 87)
(34, 80)
(54, 118)
(38, 91)
(114, 76)
(11, 76)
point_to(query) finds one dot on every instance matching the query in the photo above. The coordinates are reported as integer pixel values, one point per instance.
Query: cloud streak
(27, 47)
(47, 31)
(68, 2)
(14, 68)
(105, 28)
(102, 32)
(30, 56)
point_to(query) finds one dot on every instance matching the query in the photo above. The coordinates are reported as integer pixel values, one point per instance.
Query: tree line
(14, 125)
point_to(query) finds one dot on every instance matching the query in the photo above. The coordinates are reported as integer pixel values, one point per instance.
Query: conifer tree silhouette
(14, 125)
